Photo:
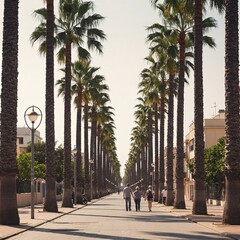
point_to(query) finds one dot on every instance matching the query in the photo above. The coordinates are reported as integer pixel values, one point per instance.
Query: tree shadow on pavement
(198, 236)
(84, 235)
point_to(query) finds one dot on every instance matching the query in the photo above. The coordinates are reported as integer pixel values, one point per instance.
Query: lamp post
(91, 172)
(32, 117)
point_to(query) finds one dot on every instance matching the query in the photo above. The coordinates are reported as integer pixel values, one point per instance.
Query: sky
(121, 63)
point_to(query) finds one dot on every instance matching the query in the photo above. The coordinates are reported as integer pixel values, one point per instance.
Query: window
(20, 139)
(191, 145)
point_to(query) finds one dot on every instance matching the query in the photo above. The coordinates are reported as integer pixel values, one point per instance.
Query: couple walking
(136, 195)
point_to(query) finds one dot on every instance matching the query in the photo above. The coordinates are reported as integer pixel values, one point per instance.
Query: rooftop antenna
(214, 109)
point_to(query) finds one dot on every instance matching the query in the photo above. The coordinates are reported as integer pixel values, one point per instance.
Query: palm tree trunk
(86, 153)
(138, 167)
(145, 172)
(50, 203)
(161, 148)
(100, 168)
(105, 169)
(231, 213)
(94, 150)
(144, 167)
(78, 187)
(199, 203)
(179, 201)
(156, 175)
(67, 194)
(150, 149)
(169, 175)
(8, 170)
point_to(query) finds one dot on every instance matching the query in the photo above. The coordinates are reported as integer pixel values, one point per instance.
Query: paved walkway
(212, 221)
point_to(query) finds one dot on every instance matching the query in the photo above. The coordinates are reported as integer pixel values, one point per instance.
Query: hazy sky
(121, 64)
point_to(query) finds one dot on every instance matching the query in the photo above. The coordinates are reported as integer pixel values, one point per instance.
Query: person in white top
(164, 195)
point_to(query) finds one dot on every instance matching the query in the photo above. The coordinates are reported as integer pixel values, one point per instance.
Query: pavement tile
(213, 220)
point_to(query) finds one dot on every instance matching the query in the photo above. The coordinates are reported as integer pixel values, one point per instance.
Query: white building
(24, 138)
(213, 130)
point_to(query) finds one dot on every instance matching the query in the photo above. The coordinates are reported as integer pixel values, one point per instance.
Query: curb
(224, 234)
(49, 220)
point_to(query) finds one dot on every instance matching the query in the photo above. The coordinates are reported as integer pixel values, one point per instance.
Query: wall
(24, 199)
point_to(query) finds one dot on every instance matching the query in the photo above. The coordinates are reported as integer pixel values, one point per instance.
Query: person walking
(149, 197)
(137, 198)
(127, 193)
(164, 195)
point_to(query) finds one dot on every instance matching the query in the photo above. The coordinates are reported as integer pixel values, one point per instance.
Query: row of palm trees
(173, 44)
(74, 26)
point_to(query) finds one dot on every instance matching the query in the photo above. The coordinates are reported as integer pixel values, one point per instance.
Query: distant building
(24, 138)
(214, 129)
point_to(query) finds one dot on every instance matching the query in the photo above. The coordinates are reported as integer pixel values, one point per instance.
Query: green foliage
(39, 151)
(24, 167)
(40, 156)
(59, 162)
(214, 163)
(24, 162)
(190, 165)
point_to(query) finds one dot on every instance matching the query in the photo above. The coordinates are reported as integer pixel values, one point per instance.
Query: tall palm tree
(95, 95)
(163, 52)
(143, 116)
(163, 45)
(199, 205)
(178, 16)
(231, 213)
(99, 98)
(150, 88)
(104, 116)
(8, 165)
(50, 203)
(75, 25)
(75, 22)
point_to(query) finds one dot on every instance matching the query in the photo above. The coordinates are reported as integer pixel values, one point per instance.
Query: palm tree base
(8, 201)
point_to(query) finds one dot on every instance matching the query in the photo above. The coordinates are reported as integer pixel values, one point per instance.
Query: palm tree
(94, 94)
(75, 23)
(150, 89)
(75, 26)
(98, 98)
(199, 205)
(231, 213)
(143, 116)
(178, 16)
(163, 46)
(104, 116)
(50, 203)
(8, 170)
(111, 164)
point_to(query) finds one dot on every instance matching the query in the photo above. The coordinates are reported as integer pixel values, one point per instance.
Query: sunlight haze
(121, 63)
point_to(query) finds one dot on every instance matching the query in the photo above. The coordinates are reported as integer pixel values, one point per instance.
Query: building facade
(214, 129)
(24, 138)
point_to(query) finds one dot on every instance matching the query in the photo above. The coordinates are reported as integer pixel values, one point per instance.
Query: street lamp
(91, 172)
(32, 117)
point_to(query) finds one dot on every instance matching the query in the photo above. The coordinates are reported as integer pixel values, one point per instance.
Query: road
(108, 219)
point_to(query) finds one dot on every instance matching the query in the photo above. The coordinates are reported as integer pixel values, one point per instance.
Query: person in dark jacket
(149, 197)
(137, 198)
